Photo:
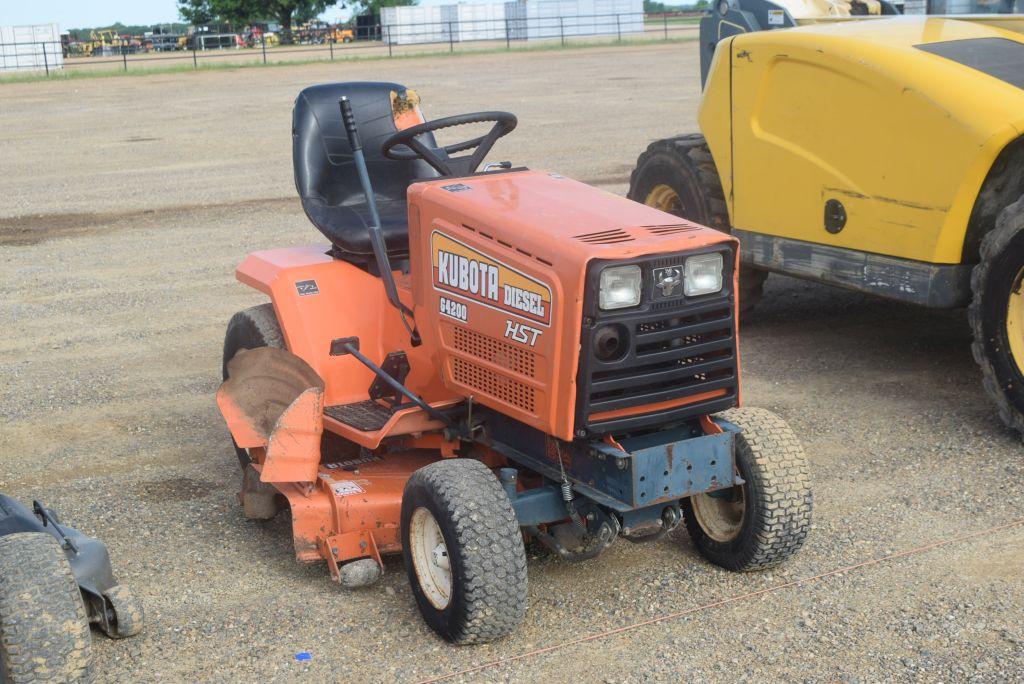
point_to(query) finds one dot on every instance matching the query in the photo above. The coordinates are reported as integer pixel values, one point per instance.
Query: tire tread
(44, 628)
(1009, 224)
(491, 545)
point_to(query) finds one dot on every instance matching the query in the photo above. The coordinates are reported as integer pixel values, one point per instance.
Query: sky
(90, 13)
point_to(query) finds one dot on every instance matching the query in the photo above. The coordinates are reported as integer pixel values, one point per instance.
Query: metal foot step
(366, 416)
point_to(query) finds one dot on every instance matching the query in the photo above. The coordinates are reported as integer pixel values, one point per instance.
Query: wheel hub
(720, 514)
(430, 558)
(1015, 321)
(666, 199)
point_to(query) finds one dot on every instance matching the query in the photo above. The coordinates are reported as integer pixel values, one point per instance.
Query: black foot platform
(367, 416)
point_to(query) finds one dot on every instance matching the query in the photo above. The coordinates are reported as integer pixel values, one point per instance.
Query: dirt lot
(127, 204)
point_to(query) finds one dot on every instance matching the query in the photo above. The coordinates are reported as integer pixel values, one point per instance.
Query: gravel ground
(128, 203)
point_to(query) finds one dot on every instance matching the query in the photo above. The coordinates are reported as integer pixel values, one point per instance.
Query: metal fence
(388, 41)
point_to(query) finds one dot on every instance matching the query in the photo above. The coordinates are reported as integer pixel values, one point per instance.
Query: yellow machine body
(869, 114)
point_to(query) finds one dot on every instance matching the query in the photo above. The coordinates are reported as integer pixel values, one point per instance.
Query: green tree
(241, 12)
(196, 12)
(654, 7)
(373, 6)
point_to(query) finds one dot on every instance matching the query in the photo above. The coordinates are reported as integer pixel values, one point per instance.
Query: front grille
(516, 359)
(680, 360)
(514, 393)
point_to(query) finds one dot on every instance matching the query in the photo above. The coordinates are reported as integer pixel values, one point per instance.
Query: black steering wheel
(404, 144)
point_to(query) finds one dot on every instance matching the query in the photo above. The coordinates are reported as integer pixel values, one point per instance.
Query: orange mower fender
(272, 400)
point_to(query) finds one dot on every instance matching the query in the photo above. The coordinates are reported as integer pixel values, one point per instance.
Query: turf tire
(992, 281)
(685, 164)
(485, 550)
(251, 328)
(777, 493)
(44, 628)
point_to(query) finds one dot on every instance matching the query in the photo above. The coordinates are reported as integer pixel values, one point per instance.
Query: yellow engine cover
(866, 113)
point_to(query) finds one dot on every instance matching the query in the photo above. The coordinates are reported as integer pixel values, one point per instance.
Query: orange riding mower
(480, 357)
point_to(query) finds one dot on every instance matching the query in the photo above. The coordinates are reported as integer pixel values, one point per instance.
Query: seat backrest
(325, 172)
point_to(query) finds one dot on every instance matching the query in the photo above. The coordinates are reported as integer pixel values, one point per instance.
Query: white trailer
(412, 24)
(522, 20)
(547, 19)
(31, 48)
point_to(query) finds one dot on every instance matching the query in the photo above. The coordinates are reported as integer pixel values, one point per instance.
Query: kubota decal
(461, 270)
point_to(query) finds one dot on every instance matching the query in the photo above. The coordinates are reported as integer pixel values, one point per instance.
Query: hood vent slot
(604, 237)
(670, 230)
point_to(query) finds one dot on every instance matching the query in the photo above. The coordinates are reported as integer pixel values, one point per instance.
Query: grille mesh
(500, 353)
(510, 391)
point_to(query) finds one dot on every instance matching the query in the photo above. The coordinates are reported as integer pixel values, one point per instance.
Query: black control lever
(380, 251)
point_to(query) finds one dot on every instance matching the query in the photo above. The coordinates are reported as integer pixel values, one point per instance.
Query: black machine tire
(483, 546)
(250, 328)
(128, 614)
(685, 166)
(777, 499)
(997, 283)
(44, 628)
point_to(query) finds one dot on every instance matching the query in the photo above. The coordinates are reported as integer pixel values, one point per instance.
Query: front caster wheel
(765, 520)
(127, 612)
(463, 552)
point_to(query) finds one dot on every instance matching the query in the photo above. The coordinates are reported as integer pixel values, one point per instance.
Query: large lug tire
(251, 328)
(463, 552)
(678, 175)
(44, 628)
(996, 314)
(765, 520)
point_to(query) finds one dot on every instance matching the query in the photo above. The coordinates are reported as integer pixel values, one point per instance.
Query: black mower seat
(325, 173)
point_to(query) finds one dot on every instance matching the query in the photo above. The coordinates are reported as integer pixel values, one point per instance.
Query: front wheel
(463, 551)
(678, 176)
(765, 520)
(996, 314)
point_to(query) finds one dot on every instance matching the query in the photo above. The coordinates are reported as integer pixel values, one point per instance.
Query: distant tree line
(654, 7)
(287, 13)
(126, 29)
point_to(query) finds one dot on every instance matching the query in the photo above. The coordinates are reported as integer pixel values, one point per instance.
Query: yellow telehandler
(883, 154)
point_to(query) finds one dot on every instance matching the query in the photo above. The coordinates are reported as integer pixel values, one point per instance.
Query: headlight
(620, 287)
(703, 274)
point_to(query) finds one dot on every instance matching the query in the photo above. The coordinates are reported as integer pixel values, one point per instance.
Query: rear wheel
(996, 314)
(44, 630)
(765, 520)
(678, 176)
(251, 328)
(463, 551)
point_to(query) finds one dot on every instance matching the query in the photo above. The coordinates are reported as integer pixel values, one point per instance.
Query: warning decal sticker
(462, 270)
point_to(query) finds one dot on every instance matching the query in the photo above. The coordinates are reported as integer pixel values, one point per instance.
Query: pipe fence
(53, 57)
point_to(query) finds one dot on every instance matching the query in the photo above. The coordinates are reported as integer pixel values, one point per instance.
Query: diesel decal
(462, 270)
(453, 309)
(522, 333)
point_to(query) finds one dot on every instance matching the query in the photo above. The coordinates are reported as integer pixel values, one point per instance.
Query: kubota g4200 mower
(479, 355)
